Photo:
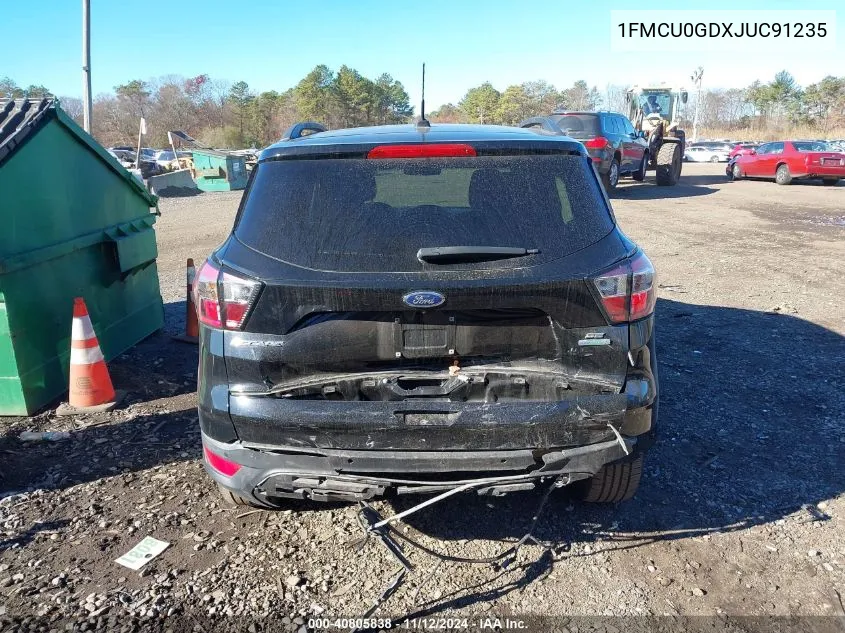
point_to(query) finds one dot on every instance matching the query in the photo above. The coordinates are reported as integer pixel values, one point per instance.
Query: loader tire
(615, 482)
(668, 164)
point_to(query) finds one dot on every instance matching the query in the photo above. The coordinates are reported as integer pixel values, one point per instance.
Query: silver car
(699, 154)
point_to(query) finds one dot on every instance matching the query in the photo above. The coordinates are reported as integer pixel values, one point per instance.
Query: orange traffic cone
(91, 388)
(192, 329)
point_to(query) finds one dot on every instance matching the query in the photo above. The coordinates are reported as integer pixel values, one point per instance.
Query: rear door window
(374, 215)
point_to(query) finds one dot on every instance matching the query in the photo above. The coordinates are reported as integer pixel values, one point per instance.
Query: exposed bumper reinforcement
(266, 477)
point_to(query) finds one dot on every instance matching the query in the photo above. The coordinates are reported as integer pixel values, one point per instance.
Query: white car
(706, 155)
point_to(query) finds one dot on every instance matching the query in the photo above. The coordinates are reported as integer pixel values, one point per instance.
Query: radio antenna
(423, 122)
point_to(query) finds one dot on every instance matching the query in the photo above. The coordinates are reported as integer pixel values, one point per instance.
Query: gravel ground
(740, 513)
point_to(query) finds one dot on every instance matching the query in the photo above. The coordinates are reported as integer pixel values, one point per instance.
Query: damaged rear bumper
(267, 476)
(322, 449)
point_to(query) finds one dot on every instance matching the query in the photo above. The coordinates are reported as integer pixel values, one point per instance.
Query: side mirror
(752, 152)
(641, 134)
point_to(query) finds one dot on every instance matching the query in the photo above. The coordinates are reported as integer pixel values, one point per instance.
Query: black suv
(613, 144)
(412, 308)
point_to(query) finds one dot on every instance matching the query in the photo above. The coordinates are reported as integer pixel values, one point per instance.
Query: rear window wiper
(459, 254)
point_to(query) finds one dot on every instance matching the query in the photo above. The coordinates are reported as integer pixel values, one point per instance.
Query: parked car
(124, 157)
(785, 161)
(402, 309)
(127, 158)
(698, 154)
(166, 159)
(150, 168)
(611, 141)
(740, 149)
(713, 145)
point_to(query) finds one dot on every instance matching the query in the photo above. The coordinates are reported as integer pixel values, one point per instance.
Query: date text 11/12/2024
(420, 624)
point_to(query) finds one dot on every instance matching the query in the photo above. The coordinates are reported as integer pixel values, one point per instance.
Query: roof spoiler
(297, 130)
(542, 125)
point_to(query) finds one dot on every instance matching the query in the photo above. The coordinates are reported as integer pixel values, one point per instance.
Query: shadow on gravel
(650, 191)
(489, 590)
(24, 538)
(701, 180)
(174, 318)
(750, 431)
(156, 424)
(101, 448)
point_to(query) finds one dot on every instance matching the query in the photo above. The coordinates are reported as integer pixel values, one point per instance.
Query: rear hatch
(420, 286)
(578, 125)
(586, 127)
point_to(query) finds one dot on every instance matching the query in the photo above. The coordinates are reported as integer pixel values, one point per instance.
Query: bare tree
(73, 107)
(615, 98)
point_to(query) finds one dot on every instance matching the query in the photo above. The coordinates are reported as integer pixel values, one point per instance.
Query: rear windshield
(374, 215)
(579, 125)
(811, 146)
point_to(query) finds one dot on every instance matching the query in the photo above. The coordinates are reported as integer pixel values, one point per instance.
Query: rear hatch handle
(458, 254)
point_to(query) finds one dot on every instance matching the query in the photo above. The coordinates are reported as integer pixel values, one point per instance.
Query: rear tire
(639, 175)
(611, 178)
(714, 159)
(782, 175)
(617, 481)
(231, 499)
(668, 164)
(830, 182)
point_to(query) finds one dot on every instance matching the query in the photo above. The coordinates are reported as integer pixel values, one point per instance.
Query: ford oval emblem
(424, 299)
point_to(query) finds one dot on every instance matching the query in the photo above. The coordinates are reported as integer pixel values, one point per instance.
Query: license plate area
(428, 336)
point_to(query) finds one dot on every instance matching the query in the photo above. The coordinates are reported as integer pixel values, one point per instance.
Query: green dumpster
(219, 171)
(74, 223)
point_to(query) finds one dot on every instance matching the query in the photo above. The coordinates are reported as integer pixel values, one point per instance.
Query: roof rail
(542, 125)
(296, 130)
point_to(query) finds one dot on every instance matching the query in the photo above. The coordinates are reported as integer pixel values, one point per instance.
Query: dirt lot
(741, 510)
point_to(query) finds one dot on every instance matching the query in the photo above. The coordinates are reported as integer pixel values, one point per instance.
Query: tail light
(223, 300)
(422, 150)
(599, 142)
(628, 291)
(220, 464)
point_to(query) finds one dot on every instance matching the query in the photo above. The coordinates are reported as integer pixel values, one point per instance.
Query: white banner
(751, 32)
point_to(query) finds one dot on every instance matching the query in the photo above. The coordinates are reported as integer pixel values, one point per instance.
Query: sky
(272, 44)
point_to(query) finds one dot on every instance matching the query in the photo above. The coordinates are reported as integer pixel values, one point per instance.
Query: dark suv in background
(408, 309)
(614, 146)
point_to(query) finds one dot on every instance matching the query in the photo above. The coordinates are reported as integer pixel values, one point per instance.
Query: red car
(785, 161)
(741, 149)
